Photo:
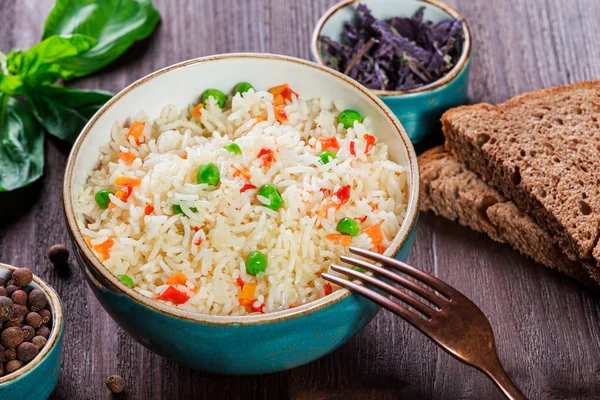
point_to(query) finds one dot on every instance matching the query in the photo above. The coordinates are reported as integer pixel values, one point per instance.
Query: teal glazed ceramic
(37, 379)
(419, 110)
(237, 345)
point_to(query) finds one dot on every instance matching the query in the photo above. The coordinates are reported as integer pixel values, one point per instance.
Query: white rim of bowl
(453, 73)
(89, 256)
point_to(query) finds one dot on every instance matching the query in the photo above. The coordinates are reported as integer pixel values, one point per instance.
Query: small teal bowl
(37, 379)
(419, 110)
(235, 345)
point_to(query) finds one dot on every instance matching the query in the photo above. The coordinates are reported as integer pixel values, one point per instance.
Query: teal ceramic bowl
(239, 345)
(37, 379)
(419, 110)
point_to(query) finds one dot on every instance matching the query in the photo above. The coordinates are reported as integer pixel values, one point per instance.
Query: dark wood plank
(547, 328)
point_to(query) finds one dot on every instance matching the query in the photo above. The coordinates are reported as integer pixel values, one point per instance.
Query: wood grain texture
(547, 328)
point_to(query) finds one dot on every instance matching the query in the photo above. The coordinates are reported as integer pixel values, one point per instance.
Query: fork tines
(425, 309)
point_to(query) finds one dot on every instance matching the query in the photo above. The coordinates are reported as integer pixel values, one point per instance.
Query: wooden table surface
(547, 327)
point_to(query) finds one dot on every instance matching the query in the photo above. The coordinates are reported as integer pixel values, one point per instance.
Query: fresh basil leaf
(116, 24)
(43, 63)
(64, 111)
(21, 145)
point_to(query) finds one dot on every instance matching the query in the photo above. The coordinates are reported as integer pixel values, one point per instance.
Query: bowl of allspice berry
(31, 332)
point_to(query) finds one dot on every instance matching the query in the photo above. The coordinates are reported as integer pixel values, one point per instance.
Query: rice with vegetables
(238, 204)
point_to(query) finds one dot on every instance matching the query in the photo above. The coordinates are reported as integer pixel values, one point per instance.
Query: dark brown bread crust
(542, 150)
(452, 191)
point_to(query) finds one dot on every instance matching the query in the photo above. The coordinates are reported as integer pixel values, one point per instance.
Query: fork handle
(498, 375)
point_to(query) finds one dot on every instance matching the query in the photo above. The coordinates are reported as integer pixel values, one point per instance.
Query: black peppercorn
(12, 366)
(22, 277)
(3, 291)
(37, 300)
(58, 254)
(6, 309)
(19, 297)
(26, 352)
(10, 289)
(115, 383)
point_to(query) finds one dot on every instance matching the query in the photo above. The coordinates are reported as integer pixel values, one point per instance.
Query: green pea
(126, 280)
(233, 148)
(102, 198)
(243, 87)
(217, 94)
(348, 226)
(359, 269)
(256, 262)
(270, 192)
(325, 155)
(177, 209)
(348, 117)
(208, 173)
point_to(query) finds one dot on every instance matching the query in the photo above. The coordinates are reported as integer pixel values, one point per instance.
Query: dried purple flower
(396, 54)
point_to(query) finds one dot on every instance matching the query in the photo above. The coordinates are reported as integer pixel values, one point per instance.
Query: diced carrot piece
(177, 279)
(329, 143)
(325, 209)
(278, 100)
(327, 289)
(242, 171)
(362, 219)
(174, 296)
(104, 247)
(246, 296)
(112, 205)
(375, 233)
(275, 90)
(184, 156)
(345, 240)
(370, 142)
(380, 249)
(136, 130)
(352, 148)
(196, 228)
(123, 194)
(127, 156)
(199, 241)
(196, 110)
(280, 114)
(148, 209)
(126, 180)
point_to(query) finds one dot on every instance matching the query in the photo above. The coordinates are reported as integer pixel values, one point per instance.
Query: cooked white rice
(151, 248)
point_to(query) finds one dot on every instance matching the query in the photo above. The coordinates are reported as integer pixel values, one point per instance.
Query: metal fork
(451, 320)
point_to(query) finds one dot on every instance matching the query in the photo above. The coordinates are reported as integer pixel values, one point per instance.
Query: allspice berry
(29, 332)
(58, 254)
(37, 300)
(10, 354)
(1, 354)
(33, 319)
(39, 341)
(19, 297)
(22, 277)
(3, 291)
(115, 383)
(43, 331)
(10, 289)
(6, 309)
(12, 337)
(12, 366)
(26, 352)
(46, 316)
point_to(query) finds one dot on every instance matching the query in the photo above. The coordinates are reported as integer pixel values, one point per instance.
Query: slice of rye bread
(541, 150)
(450, 190)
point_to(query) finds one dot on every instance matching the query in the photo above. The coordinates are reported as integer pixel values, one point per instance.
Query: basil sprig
(80, 37)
